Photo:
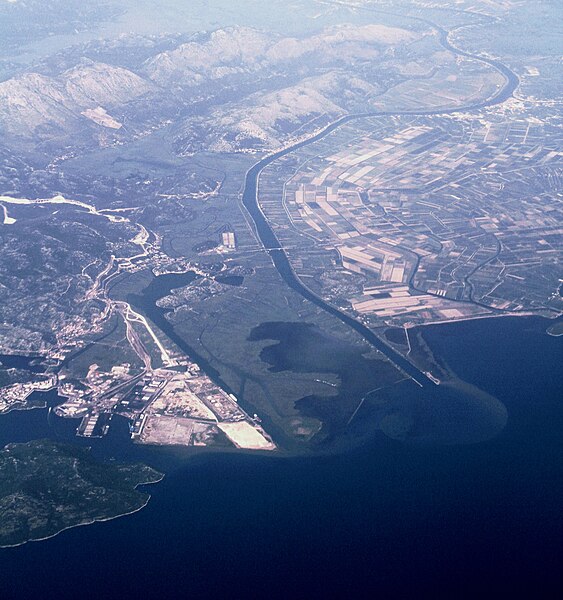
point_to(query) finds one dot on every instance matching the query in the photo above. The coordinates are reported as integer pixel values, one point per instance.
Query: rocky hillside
(34, 104)
(263, 120)
(232, 89)
(241, 50)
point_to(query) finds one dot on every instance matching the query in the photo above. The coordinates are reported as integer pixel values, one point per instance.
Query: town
(175, 406)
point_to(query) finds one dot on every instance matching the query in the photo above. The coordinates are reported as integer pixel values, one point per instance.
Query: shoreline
(91, 522)
(23, 404)
(475, 318)
(23, 408)
(217, 454)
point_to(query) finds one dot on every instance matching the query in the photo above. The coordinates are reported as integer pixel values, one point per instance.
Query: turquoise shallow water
(384, 520)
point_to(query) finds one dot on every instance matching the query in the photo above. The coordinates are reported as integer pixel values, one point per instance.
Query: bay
(383, 520)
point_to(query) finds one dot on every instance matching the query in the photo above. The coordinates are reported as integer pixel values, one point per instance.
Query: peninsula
(47, 487)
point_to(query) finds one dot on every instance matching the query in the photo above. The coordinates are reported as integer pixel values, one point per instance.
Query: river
(278, 254)
(388, 519)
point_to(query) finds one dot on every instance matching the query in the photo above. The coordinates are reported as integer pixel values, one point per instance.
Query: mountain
(239, 50)
(234, 88)
(34, 104)
(263, 120)
(103, 84)
(226, 52)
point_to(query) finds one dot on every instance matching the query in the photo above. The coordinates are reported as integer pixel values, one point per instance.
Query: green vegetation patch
(46, 487)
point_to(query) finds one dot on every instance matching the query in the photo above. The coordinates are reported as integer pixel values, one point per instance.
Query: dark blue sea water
(17, 361)
(385, 520)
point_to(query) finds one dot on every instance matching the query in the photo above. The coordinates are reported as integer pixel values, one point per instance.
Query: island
(47, 487)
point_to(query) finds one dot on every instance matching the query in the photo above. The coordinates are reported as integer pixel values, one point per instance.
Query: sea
(382, 519)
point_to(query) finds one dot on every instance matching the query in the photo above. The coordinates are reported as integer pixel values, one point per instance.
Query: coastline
(23, 406)
(89, 522)
(478, 317)
(188, 456)
(555, 329)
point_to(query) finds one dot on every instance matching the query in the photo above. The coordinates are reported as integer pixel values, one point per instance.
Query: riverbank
(388, 510)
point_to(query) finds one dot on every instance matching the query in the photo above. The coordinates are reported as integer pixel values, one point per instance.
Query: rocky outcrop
(263, 120)
(251, 88)
(35, 104)
(245, 50)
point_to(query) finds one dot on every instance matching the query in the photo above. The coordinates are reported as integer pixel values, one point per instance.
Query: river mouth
(488, 513)
(452, 413)
(266, 231)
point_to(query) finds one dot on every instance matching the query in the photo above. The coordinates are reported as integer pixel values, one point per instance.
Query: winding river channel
(279, 255)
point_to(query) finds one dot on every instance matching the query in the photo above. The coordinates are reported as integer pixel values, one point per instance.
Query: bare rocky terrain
(232, 89)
